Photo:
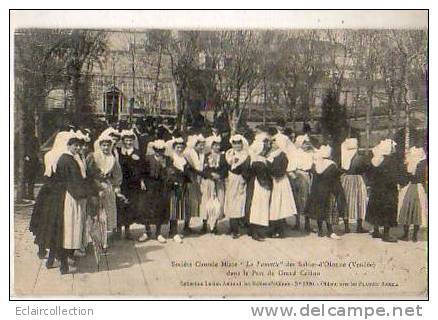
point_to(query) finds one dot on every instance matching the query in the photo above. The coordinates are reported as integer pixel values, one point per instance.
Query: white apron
(282, 199)
(74, 222)
(259, 213)
(235, 196)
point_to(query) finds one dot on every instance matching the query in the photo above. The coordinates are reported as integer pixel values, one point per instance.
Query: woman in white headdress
(302, 177)
(236, 184)
(85, 137)
(71, 172)
(282, 199)
(260, 186)
(354, 166)
(132, 163)
(115, 136)
(49, 201)
(326, 200)
(106, 175)
(213, 184)
(195, 155)
(383, 178)
(413, 198)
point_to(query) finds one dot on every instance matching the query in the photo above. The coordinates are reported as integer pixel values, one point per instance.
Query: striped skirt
(301, 189)
(332, 214)
(179, 203)
(356, 196)
(413, 205)
(194, 196)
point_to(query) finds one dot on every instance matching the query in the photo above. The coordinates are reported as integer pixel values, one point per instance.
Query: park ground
(218, 266)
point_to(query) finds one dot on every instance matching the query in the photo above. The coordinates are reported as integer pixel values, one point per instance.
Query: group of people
(91, 194)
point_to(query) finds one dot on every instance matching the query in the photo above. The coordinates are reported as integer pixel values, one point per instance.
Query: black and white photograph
(219, 162)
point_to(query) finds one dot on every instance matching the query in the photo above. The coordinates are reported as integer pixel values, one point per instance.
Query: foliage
(334, 118)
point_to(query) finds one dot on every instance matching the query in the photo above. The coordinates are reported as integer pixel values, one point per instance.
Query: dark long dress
(383, 195)
(132, 169)
(153, 203)
(326, 200)
(45, 223)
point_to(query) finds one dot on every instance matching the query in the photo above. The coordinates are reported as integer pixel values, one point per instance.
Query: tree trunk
(407, 115)
(157, 77)
(19, 139)
(390, 108)
(234, 119)
(368, 119)
(398, 110)
(178, 104)
(264, 101)
(306, 103)
(76, 97)
(293, 110)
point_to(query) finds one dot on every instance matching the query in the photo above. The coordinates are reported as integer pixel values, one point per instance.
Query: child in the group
(178, 179)
(413, 199)
(195, 155)
(236, 185)
(213, 184)
(153, 200)
(327, 200)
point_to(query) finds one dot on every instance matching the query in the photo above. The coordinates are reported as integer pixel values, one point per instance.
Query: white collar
(413, 162)
(127, 152)
(322, 164)
(304, 160)
(377, 160)
(231, 154)
(346, 157)
(274, 154)
(179, 161)
(195, 159)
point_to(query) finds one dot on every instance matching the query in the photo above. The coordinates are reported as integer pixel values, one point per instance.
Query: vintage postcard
(220, 155)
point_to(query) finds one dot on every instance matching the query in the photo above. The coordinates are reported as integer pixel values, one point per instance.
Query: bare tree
(181, 47)
(80, 50)
(289, 71)
(36, 73)
(236, 57)
(365, 47)
(411, 50)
